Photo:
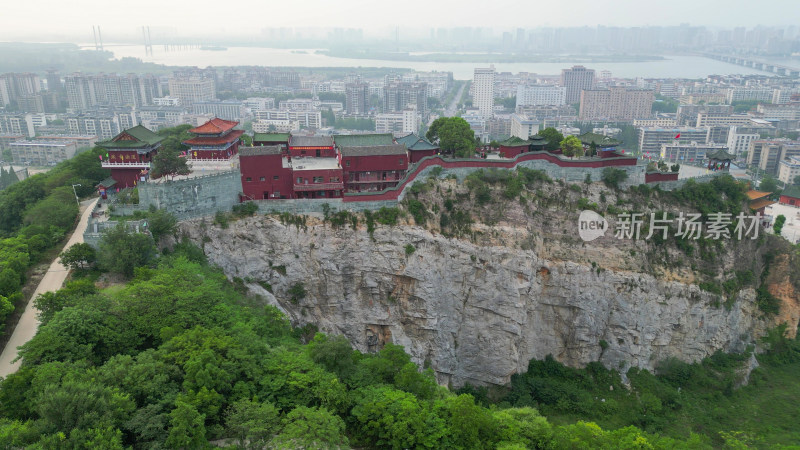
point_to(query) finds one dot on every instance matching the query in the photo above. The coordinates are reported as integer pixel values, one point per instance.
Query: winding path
(52, 280)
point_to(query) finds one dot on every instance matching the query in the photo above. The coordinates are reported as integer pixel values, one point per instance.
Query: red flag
(678, 136)
(100, 156)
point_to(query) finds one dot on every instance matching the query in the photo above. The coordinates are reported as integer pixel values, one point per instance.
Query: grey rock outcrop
(474, 313)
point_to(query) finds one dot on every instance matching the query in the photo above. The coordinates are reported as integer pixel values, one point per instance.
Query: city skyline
(25, 21)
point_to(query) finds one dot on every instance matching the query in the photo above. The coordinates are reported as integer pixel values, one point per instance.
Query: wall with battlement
(193, 197)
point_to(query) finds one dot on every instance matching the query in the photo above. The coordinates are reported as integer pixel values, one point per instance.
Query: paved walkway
(52, 281)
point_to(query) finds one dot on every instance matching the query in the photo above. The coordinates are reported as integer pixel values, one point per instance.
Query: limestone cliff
(478, 312)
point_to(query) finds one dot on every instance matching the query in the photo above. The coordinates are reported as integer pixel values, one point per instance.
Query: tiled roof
(271, 137)
(792, 191)
(375, 150)
(214, 140)
(599, 140)
(260, 150)
(363, 140)
(514, 141)
(136, 137)
(719, 154)
(758, 204)
(214, 126)
(752, 195)
(311, 141)
(414, 142)
(108, 182)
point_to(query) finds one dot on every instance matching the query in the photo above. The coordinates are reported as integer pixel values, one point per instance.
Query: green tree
(777, 227)
(9, 281)
(769, 184)
(553, 136)
(161, 223)
(81, 405)
(453, 135)
(385, 417)
(796, 181)
(79, 256)
(612, 176)
(49, 303)
(187, 427)
(334, 354)
(572, 146)
(253, 423)
(306, 427)
(121, 251)
(168, 162)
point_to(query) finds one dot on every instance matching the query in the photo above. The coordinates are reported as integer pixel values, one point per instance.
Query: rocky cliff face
(477, 313)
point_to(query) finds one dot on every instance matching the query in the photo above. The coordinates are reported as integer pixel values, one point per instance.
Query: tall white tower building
(483, 91)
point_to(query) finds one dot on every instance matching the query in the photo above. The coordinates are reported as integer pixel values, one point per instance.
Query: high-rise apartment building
(87, 91)
(483, 91)
(15, 85)
(575, 80)
(541, 95)
(356, 98)
(192, 89)
(398, 96)
(616, 103)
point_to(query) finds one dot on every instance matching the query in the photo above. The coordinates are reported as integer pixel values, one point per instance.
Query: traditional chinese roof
(271, 137)
(514, 141)
(215, 140)
(761, 203)
(792, 191)
(138, 137)
(311, 141)
(214, 126)
(416, 143)
(754, 195)
(108, 182)
(375, 150)
(598, 140)
(363, 140)
(260, 150)
(720, 155)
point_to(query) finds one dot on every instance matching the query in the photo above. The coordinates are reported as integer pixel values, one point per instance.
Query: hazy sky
(49, 19)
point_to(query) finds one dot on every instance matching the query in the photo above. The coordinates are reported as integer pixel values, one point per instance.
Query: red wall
(416, 155)
(267, 166)
(786, 200)
(658, 176)
(324, 152)
(508, 164)
(511, 152)
(215, 154)
(125, 177)
(377, 163)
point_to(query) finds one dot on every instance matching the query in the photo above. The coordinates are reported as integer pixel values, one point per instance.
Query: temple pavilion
(214, 140)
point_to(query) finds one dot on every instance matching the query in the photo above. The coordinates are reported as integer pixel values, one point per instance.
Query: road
(52, 281)
(450, 111)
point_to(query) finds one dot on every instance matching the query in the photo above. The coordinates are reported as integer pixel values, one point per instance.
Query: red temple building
(314, 146)
(266, 173)
(215, 140)
(129, 155)
(791, 196)
(373, 168)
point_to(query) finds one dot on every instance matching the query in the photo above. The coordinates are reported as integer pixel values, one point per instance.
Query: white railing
(121, 165)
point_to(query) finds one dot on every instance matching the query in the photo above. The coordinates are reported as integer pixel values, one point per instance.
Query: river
(671, 67)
